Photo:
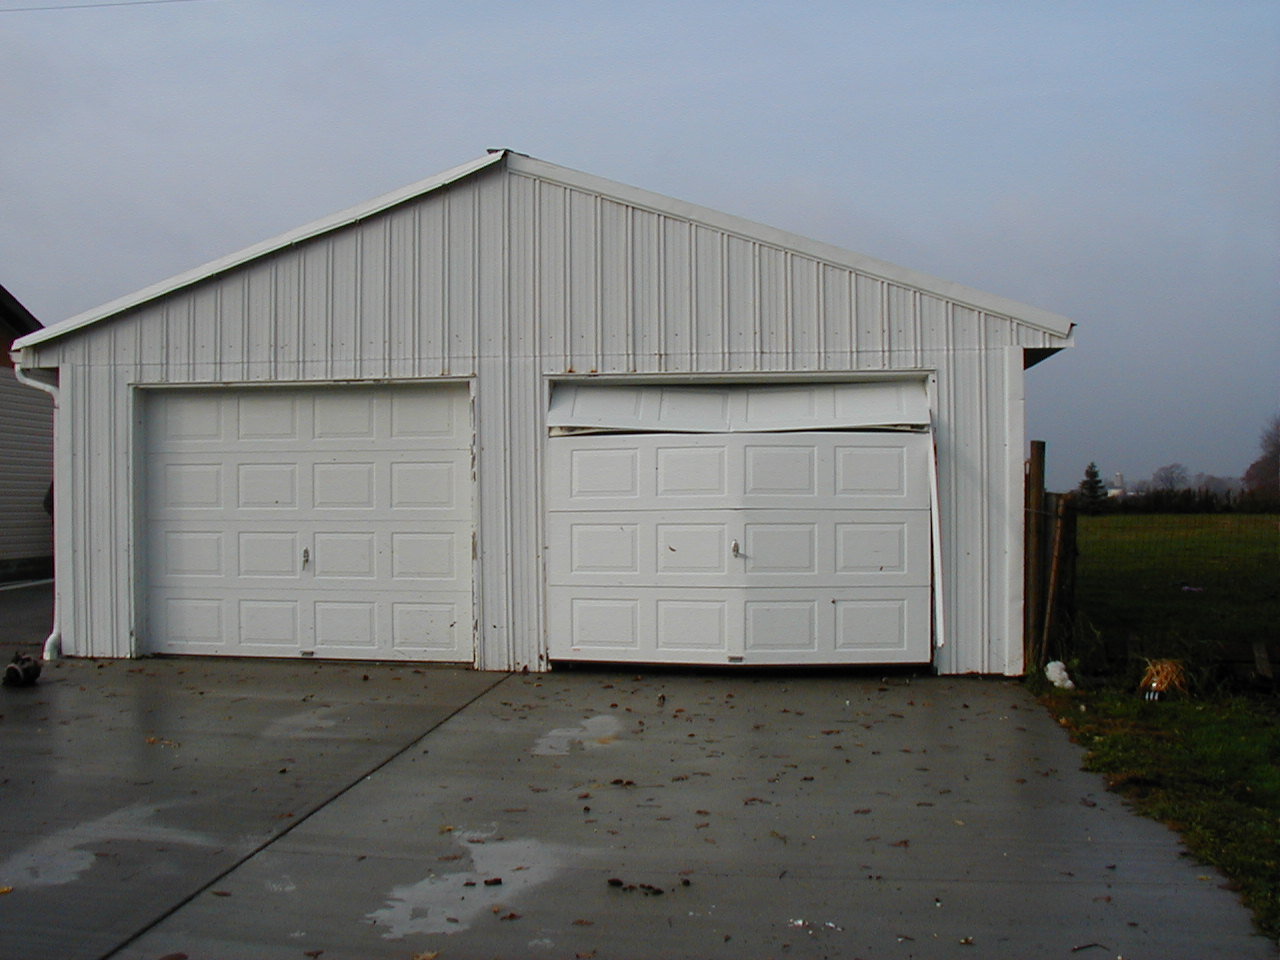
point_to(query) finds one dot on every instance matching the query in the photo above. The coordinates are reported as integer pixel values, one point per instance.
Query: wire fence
(1204, 588)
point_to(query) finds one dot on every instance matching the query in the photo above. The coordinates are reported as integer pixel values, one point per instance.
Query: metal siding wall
(514, 279)
(26, 458)
(675, 281)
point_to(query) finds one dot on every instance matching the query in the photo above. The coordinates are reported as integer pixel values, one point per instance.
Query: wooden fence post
(1033, 558)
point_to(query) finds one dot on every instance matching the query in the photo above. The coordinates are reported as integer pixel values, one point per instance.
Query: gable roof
(522, 163)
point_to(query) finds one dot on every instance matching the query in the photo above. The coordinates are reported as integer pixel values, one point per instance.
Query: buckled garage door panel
(755, 548)
(739, 408)
(330, 522)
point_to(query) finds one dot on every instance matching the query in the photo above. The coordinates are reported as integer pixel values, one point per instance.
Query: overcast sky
(1115, 162)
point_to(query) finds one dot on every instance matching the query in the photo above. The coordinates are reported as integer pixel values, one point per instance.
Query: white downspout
(53, 643)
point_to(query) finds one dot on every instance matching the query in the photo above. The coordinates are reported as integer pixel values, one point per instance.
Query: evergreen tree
(1093, 492)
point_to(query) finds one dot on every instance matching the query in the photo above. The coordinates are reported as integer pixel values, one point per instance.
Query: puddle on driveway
(304, 724)
(594, 733)
(446, 904)
(62, 856)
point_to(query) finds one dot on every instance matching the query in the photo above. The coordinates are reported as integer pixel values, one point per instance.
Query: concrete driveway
(220, 809)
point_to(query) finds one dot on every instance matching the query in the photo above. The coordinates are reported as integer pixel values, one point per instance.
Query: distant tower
(1117, 482)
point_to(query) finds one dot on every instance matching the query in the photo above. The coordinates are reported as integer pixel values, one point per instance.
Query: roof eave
(309, 231)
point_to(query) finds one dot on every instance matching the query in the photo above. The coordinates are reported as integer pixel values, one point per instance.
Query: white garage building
(515, 414)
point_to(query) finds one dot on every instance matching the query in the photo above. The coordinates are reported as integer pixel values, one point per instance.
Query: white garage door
(327, 522)
(788, 547)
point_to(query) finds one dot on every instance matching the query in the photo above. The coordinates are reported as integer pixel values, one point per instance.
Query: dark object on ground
(23, 670)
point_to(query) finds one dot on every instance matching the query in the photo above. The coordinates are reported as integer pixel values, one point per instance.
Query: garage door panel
(776, 470)
(275, 554)
(691, 471)
(195, 622)
(660, 471)
(189, 486)
(884, 547)
(430, 415)
(604, 548)
(645, 625)
(428, 556)
(604, 474)
(267, 415)
(344, 486)
(692, 625)
(190, 420)
(833, 536)
(639, 547)
(273, 624)
(775, 624)
(604, 623)
(280, 525)
(789, 549)
(270, 485)
(345, 418)
(346, 625)
(437, 630)
(882, 625)
(342, 556)
(698, 549)
(194, 553)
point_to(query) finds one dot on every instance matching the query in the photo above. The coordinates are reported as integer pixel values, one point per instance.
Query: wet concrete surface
(128, 787)
(26, 617)
(237, 809)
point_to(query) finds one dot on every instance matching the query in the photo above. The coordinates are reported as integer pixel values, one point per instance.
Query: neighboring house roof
(521, 163)
(15, 319)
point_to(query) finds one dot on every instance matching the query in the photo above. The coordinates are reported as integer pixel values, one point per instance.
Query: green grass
(1208, 766)
(1209, 770)
(1191, 586)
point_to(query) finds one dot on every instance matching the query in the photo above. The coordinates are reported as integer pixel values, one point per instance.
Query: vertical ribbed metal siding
(26, 458)
(512, 279)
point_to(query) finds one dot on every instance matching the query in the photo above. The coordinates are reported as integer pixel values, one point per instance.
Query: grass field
(1191, 586)
(1196, 588)
(1209, 769)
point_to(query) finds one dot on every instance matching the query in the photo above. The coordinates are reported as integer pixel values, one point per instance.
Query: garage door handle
(733, 548)
(306, 557)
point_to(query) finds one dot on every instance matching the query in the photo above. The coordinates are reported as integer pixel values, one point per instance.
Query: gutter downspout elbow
(53, 643)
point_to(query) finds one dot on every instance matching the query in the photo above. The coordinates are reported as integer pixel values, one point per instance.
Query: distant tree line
(1172, 490)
